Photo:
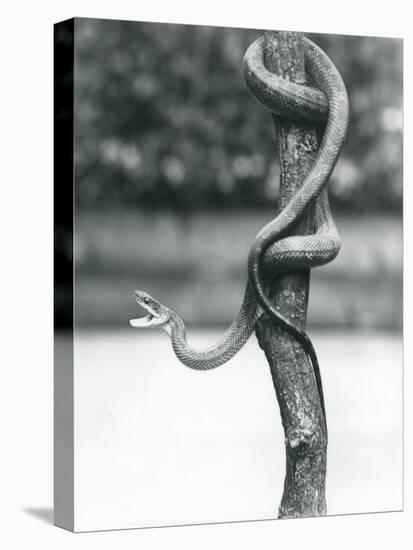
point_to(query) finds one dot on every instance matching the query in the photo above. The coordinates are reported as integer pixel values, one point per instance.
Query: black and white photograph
(230, 345)
(206, 287)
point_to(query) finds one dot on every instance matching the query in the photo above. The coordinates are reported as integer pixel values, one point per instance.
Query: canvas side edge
(63, 275)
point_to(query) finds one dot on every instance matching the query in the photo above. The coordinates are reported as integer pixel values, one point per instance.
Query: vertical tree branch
(292, 373)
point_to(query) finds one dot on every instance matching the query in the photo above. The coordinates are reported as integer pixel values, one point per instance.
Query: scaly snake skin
(273, 251)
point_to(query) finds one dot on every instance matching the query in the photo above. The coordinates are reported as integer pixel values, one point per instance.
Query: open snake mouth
(147, 320)
(142, 322)
(152, 307)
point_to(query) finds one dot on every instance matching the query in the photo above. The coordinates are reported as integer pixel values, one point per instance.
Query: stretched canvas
(166, 170)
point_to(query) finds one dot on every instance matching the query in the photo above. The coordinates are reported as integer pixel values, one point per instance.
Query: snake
(274, 251)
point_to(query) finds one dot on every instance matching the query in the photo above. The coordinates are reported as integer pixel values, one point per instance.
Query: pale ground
(158, 444)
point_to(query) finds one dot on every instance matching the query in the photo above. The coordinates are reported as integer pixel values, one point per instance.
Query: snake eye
(146, 300)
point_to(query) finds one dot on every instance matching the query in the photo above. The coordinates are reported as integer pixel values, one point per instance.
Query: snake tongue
(141, 322)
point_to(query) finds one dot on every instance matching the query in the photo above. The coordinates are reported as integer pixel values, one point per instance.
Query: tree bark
(292, 373)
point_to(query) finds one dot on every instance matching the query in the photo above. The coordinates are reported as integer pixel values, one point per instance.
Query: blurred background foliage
(163, 119)
(176, 172)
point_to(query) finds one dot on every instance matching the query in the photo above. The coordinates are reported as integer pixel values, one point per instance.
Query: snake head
(158, 314)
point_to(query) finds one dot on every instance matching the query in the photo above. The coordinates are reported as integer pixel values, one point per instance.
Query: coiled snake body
(273, 251)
